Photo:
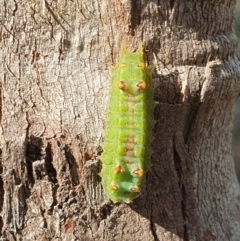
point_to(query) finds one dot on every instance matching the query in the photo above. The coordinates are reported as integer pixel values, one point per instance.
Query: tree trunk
(54, 89)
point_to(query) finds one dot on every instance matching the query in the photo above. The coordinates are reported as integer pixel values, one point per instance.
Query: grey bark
(54, 78)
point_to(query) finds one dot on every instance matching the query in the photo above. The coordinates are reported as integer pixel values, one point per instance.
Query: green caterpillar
(127, 150)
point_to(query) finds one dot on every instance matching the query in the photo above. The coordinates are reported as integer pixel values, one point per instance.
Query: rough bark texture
(54, 78)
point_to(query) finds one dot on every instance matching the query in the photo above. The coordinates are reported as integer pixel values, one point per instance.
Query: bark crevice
(179, 172)
(135, 16)
(35, 152)
(172, 3)
(152, 226)
(73, 166)
(51, 171)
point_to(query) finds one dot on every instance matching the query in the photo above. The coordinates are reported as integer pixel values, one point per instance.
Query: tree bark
(54, 89)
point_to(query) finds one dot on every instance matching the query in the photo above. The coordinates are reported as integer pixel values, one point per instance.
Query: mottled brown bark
(54, 67)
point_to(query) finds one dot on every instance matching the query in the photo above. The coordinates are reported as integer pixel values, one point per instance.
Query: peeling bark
(54, 66)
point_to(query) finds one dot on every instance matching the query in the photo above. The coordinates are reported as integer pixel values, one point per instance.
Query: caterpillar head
(131, 73)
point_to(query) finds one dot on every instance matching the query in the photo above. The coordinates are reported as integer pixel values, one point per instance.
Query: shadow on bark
(39, 160)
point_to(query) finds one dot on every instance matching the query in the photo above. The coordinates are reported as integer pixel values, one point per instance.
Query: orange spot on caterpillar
(135, 189)
(139, 172)
(113, 186)
(121, 85)
(122, 65)
(141, 85)
(118, 169)
(141, 65)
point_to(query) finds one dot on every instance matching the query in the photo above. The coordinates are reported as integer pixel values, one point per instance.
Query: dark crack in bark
(179, 171)
(152, 226)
